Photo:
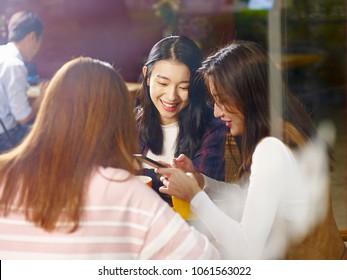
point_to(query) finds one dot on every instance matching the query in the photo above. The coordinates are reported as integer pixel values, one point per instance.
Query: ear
(32, 36)
(144, 72)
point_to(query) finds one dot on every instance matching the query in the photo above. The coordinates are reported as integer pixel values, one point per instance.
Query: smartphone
(149, 161)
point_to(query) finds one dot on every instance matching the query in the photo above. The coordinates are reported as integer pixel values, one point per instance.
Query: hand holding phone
(149, 161)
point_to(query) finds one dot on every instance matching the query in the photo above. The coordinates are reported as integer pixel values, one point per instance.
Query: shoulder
(10, 55)
(273, 150)
(105, 177)
(271, 143)
(118, 187)
(12, 65)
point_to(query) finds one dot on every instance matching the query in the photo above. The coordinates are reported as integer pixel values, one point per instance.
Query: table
(133, 87)
(34, 91)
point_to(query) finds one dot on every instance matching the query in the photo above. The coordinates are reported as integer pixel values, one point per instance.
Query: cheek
(185, 104)
(216, 110)
(184, 97)
(152, 96)
(241, 123)
(153, 91)
(38, 45)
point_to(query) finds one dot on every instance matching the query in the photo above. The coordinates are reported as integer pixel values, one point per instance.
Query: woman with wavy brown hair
(281, 202)
(68, 190)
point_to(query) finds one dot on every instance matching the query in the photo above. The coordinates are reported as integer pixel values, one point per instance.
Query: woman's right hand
(178, 183)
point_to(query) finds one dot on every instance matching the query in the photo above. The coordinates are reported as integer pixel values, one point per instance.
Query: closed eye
(162, 84)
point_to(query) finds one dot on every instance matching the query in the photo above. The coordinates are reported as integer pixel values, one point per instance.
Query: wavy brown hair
(85, 121)
(240, 74)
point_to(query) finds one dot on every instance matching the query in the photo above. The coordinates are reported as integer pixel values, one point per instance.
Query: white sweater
(258, 220)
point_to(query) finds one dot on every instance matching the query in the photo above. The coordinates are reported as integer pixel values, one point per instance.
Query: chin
(234, 133)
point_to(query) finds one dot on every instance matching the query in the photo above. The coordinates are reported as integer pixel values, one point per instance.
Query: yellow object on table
(182, 207)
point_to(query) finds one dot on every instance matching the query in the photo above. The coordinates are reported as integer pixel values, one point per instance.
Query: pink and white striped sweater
(122, 219)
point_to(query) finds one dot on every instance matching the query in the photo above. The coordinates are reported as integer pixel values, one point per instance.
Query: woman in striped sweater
(68, 190)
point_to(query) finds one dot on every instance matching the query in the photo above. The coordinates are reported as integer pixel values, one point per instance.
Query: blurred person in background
(16, 113)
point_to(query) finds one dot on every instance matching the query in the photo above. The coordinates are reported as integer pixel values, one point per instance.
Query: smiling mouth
(169, 106)
(228, 123)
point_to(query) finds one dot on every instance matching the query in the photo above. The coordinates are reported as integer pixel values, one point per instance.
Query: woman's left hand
(179, 184)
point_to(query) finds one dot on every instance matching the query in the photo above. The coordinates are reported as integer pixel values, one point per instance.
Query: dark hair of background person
(194, 118)
(22, 23)
(240, 76)
(85, 120)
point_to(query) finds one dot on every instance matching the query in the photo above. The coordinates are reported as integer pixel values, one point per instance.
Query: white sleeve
(16, 88)
(246, 239)
(228, 197)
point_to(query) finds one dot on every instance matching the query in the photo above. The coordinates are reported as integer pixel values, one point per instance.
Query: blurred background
(310, 37)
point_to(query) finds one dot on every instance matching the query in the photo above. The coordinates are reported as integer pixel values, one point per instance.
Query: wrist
(194, 192)
(200, 179)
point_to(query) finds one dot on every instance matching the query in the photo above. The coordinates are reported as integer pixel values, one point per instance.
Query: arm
(170, 237)
(16, 88)
(245, 238)
(227, 197)
(145, 226)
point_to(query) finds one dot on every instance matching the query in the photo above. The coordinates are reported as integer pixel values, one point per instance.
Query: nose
(217, 111)
(172, 94)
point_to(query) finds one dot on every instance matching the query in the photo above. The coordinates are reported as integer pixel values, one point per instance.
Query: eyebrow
(162, 77)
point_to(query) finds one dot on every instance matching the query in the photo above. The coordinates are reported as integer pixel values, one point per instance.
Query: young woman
(173, 116)
(68, 192)
(270, 208)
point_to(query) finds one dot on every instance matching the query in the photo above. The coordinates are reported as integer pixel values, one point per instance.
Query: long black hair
(194, 118)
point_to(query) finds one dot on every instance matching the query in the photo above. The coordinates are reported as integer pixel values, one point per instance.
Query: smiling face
(169, 87)
(231, 116)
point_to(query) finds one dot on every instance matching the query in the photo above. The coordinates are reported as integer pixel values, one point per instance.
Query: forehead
(217, 94)
(171, 69)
